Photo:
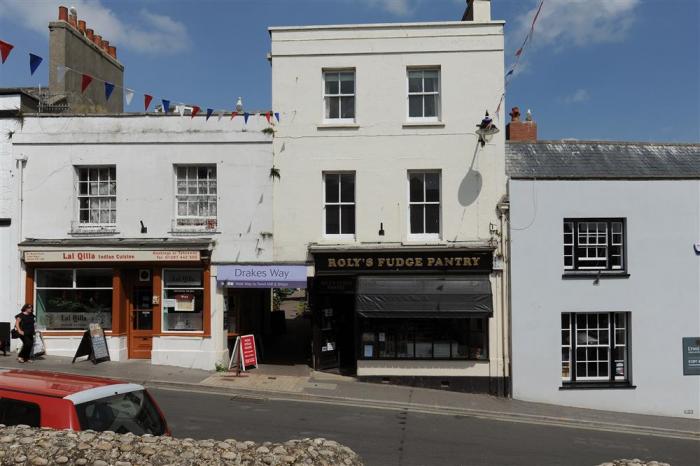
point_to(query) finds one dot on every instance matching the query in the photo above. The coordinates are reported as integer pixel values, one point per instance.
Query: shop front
(153, 302)
(421, 317)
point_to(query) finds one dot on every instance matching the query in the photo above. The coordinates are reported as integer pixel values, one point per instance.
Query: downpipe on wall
(21, 161)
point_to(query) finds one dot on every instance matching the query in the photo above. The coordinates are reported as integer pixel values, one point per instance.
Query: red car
(77, 402)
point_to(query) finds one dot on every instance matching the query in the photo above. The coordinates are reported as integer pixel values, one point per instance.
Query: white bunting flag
(219, 115)
(181, 109)
(129, 94)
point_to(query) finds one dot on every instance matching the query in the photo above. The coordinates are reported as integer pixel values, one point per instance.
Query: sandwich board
(244, 354)
(93, 345)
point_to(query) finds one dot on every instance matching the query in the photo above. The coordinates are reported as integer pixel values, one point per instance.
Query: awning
(443, 297)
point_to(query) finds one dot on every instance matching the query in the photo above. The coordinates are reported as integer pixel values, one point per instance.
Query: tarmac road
(386, 437)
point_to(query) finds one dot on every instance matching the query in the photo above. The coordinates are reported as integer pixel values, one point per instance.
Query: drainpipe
(503, 209)
(21, 161)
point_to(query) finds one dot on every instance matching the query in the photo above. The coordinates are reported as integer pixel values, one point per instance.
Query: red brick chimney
(523, 131)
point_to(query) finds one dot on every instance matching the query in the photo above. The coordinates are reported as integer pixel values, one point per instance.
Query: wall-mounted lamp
(596, 282)
(381, 228)
(144, 229)
(486, 129)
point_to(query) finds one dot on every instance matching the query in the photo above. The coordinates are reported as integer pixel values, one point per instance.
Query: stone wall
(22, 445)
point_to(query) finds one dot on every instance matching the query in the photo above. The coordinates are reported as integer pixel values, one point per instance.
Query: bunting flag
(234, 114)
(146, 101)
(129, 95)
(34, 62)
(219, 115)
(509, 73)
(195, 110)
(277, 116)
(181, 109)
(109, 88)
(268, 115)
(209, 113)
(86, 80)
(60, 73)
(5, 49)
(246, 115)
(166, 105)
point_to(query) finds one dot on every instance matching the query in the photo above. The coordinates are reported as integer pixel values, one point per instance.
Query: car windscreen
(129, 412)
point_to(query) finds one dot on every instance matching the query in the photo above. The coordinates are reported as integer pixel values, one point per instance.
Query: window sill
(424, 124)
(593, 275)
(194, 232)
(94, 232)
(339, 125)
(597, 386)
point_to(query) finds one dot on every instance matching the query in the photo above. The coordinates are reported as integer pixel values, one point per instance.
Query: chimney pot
(72, 20)
(97, 40)
(113, 52)
(515, 114)
(82, 26)
(90, 34)
(105, 45)
(523, 131)
(63, 13)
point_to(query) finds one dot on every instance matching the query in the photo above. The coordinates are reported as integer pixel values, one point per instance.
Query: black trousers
(27, 344)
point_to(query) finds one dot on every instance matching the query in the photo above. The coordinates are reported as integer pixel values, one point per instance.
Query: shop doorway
(334, 325)
(139, 292)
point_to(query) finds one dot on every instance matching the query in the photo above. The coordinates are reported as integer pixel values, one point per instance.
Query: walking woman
(24, 323)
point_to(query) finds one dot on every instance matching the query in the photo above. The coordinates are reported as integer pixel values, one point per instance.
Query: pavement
(302, 384)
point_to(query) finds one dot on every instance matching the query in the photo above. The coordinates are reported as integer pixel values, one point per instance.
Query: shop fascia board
(472, 246)
(114, 243)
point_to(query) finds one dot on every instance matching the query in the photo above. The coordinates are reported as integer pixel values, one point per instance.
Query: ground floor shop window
(70, 299)
(595, 347)
(183, 299)
(424, 338)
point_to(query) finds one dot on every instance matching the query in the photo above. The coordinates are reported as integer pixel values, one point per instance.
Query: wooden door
(141, 316)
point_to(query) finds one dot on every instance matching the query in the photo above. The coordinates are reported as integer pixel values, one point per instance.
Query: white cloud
(144, 31)
(578, 96)
(396, 7)
(565, 23)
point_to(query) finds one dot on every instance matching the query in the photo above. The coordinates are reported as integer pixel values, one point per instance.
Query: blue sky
(596, 69)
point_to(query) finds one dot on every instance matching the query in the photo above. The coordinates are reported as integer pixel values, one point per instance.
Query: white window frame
(79, 225)
(340, 203)
(163, 288)
(339, 95)
(208, 224)
(609, 235)
(438, 93)
(423, 236)
(574, 343)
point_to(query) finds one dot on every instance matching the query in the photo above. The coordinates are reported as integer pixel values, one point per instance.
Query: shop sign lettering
(691, 356)
(447, 260)
(111, 256)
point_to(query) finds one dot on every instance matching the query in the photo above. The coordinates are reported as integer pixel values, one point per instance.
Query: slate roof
(602, 160)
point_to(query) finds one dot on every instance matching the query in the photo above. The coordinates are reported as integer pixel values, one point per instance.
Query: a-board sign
(244, 354)
(93, 345)
(691, 356)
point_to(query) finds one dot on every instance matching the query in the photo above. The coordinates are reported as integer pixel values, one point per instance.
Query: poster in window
(184, 302)
(369, 351)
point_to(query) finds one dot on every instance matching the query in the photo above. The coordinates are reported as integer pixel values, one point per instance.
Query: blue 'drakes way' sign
(262, 276)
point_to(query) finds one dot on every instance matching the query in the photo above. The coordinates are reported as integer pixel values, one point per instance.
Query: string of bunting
(87, 79)
(519, 54)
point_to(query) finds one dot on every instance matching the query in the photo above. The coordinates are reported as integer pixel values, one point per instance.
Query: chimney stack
(521, 131)
(478, 11)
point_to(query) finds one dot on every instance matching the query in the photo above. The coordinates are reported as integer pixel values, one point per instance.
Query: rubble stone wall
(22, 445)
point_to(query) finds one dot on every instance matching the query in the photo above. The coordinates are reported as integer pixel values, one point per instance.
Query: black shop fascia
(407, 304)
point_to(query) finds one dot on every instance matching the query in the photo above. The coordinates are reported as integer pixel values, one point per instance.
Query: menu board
(93, 345)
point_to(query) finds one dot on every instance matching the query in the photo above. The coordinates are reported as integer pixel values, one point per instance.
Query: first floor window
(339, 94)
(595, 347)
(339, 204)
(424, 93)
(196, 197)
(71, 299)
(97, 196)
(424, 338)
(183, 299)
(424, 203)
(594, 244)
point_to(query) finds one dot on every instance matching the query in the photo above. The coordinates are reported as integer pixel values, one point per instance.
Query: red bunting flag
(268, 115)
(234, 115)
(5, 49)
(87, 79)
(195, 110)
(146, 101)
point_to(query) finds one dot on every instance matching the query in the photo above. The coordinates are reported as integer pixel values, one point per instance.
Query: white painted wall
(662, 293)
(382, 148)
(10, 288)
(144, 150)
